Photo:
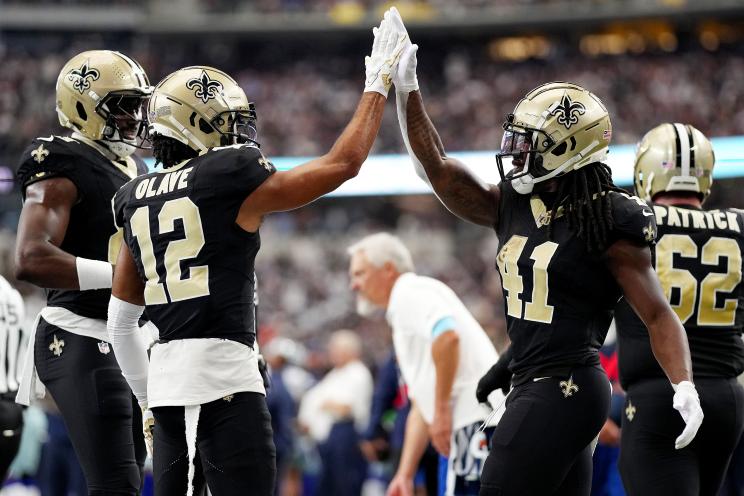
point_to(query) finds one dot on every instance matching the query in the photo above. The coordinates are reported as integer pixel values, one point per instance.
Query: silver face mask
(120, 148)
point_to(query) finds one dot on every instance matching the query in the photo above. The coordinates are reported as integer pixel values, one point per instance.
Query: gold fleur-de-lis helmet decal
(204, 88)
(82, 76)
(567, 111)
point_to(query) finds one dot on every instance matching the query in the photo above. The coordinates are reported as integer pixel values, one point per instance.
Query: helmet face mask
(524, 146)
(237, 127)
(556, 128)
(124, 114)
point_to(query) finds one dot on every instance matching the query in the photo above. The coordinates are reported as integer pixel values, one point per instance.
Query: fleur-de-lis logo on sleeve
(568, 111)
(39, 154)
(204, 87)
(82, 77)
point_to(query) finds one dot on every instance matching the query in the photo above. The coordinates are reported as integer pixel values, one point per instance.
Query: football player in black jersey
(698, 258)
(191, 237)
(66, 243)
(571, 245)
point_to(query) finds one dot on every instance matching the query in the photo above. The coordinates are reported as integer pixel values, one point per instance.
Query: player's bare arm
(291, 189)
(461, 191)
(127, 284)
(303, 184)
(41, 230)
(630, 264)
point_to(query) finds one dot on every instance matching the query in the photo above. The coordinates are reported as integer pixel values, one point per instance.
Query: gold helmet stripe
(683, 152)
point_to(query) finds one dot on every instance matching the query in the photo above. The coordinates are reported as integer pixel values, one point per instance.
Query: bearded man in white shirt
(442, 352)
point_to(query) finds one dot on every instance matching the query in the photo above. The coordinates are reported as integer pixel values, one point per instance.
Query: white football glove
(687, 402)
(148, 425)
(404, 78)
(387, 48)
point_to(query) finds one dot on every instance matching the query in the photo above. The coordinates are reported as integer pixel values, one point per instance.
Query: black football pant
(649, 464)
(542, 445)
(11, 426)
(100, 412)
(234, 448)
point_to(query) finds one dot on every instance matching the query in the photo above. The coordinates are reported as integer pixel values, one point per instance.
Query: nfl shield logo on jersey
(104, 347)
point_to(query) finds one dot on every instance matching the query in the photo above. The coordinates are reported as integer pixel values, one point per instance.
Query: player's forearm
(670, 347)
(414, 443)
(45, 265)
(353, 145)
(422, 139)
(446, 356)
(463, 193)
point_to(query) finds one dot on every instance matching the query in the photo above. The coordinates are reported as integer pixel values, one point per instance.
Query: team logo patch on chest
(204, 88)
(82, 77)
(567, 111)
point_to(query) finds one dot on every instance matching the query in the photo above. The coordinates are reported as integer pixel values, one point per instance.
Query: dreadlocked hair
(169, 152)
(582, 194)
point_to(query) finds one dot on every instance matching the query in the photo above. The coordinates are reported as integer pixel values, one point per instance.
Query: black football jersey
(91, 232)
(197, 263)
(698, 259)
(558, 295)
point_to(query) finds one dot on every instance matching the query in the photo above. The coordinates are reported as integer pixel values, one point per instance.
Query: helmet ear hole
(81, 111)
(205, 127)
(560, 149)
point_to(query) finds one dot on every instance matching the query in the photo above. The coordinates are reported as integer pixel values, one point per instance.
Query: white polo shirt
(418, 307)
(350, 385)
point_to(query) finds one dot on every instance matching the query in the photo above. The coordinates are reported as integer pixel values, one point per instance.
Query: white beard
(364, 307)
(523, 184)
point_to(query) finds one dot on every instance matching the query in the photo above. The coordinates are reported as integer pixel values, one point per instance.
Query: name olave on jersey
(162, 184)
(697, 219)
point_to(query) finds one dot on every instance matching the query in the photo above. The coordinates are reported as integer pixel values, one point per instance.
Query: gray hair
(384, 247)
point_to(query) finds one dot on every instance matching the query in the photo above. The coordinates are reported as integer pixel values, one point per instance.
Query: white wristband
(93, 274)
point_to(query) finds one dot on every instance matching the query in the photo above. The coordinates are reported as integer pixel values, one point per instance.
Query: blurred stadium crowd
(303, 101)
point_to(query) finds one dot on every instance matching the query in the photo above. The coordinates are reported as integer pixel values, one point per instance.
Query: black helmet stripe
(692, 146)
(683, 148)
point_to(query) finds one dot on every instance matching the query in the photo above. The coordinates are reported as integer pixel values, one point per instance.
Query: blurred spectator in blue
(335, 411)
(59, 473)
(606, 477)
(282, 407)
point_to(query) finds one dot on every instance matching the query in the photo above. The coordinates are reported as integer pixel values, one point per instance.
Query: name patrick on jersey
(696, 219)
(163, 183)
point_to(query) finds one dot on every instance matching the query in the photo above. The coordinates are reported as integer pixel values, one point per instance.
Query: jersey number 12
(194, 285)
